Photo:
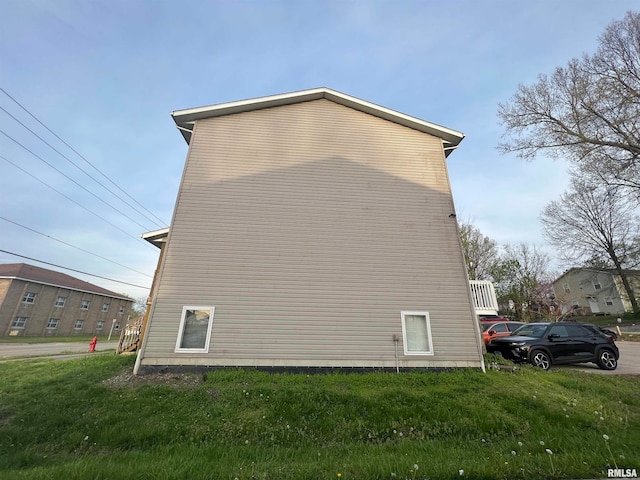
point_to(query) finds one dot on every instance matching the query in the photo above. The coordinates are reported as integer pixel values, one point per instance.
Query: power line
(73, 246)
(78, 204)
(78, 167)
(72, 180)
(162, 222)
(73, 270)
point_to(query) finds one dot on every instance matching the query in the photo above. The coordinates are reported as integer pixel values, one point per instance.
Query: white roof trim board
(185, 119)
(156, 237)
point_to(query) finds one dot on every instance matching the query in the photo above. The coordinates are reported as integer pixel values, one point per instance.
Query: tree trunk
(625, 282)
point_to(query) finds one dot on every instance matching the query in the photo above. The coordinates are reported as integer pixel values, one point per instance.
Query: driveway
(629, 363)
(13, 351)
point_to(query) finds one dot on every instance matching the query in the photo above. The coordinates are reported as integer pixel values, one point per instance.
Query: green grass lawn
(88, 418)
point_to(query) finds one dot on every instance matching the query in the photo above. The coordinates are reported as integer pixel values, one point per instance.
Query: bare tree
(593, 223)
(587, 112)
(519, 278)
(480, 252)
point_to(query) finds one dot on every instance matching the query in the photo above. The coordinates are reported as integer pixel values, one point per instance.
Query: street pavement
(628, 364)
(15, 351)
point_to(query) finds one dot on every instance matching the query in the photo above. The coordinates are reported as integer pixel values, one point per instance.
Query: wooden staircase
(130, 338)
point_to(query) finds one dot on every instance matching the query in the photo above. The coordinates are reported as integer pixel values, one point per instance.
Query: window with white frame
(78, 324)
(194, 333)
(416, 333)
(100, 325)
(596, 284)
(105, 307)
(121, 311)
(29, 297)
(85, 305)
(60, 301)
(608, 301)
(53, 323)
(19, 322)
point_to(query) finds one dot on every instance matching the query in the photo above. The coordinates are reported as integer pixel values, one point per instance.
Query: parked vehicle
(491, 330)
(493, 318)
(609, 333)
(545, 344)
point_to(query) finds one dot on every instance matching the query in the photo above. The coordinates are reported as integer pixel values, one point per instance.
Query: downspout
(396, 339)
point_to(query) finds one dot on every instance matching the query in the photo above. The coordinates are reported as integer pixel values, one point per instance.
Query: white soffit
(156, 237)
(185, 119)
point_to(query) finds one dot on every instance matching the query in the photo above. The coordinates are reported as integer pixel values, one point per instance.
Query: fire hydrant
(92, 344)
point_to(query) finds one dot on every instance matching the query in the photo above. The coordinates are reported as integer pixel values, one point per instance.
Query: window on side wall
(60, 301)
(53, 323)
(85, 305)
(19, 322)
(195, 329)
(416, 333)
(29, 297)
(78, 324)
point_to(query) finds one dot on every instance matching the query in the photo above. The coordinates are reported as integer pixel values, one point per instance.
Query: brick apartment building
(36, 301)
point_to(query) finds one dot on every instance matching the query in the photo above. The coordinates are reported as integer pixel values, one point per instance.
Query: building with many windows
(36, 301)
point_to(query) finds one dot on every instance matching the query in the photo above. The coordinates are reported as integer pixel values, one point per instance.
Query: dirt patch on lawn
(126, 378)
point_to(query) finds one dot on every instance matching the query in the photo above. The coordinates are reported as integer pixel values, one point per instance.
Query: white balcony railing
(484, 297)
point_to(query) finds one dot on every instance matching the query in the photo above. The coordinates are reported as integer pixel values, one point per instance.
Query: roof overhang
(156, 237)
(185, 119)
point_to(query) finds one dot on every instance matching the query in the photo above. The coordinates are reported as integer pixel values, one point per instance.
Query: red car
(493, 318)
(491, 330)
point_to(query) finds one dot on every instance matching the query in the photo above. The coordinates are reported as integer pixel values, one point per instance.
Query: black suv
(544, 344)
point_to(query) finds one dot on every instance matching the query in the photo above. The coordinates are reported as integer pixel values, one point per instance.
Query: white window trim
(82, 305)
(29, 297)
(404, 332)
(49, 327)
(15, 321)
(181, 330)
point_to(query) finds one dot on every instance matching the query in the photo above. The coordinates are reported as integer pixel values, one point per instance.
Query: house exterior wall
(44, 308)
(634, 281)
(310, 228)
(592, 291)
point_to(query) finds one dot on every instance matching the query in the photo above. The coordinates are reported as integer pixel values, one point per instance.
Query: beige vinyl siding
(309, 228)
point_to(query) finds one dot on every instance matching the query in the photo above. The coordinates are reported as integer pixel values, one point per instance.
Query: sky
(101, 78)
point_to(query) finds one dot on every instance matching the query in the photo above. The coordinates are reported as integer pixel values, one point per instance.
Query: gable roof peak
(185, 119)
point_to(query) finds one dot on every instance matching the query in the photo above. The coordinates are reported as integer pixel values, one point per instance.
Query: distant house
(592, 290)
(311, 230)
(36, 301)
